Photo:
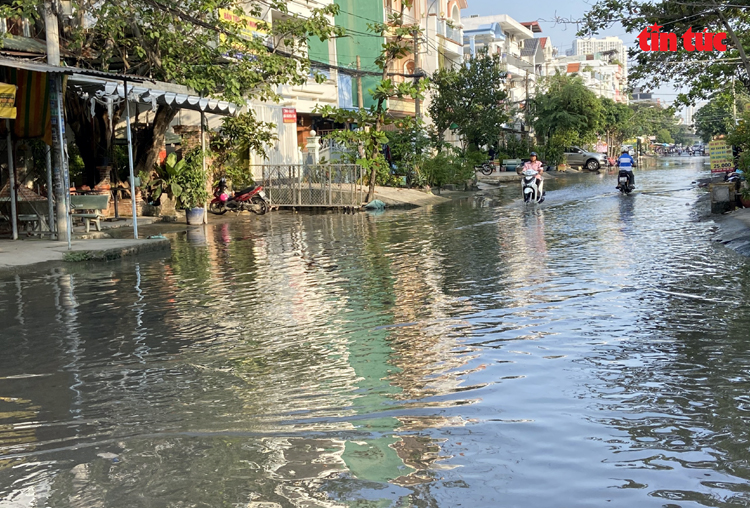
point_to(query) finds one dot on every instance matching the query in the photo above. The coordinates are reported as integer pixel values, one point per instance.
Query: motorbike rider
(626, 164)
(535, 165)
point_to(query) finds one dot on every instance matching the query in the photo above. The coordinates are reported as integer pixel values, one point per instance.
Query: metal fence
(324, 185)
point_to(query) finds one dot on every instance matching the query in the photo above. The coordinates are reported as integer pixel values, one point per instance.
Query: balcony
(408, 17)
(454, 34)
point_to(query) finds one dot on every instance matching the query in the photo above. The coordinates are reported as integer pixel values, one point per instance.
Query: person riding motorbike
(625, 162)
(535, 165)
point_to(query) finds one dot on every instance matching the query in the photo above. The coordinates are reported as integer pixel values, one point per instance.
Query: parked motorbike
(623, 182)
(252, 199)
(530, 188)
(486, 168)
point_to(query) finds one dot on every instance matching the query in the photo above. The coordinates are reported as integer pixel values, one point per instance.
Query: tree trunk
(151, 139)
(93, 136)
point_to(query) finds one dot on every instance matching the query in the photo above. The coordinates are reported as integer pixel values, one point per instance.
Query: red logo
(652, 39)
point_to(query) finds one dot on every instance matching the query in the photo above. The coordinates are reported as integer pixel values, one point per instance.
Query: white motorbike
(532, 192)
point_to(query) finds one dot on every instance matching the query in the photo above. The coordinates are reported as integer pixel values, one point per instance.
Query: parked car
(590, 160)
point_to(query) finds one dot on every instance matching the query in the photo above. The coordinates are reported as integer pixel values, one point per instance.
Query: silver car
(590, 160)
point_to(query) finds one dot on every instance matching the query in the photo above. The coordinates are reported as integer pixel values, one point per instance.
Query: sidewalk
(734, 230)
(20, 254)
(398, 197)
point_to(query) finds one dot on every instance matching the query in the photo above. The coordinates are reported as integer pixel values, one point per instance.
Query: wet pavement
(591, 351)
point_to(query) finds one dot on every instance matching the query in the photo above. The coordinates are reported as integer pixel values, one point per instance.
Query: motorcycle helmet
(533, 154)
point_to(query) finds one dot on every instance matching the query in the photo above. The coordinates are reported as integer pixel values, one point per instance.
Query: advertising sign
(249, 27)
(7, 101)
(721, 156)
(290, 115)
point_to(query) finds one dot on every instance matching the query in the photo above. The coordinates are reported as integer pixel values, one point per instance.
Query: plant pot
(745, 202)
(194, 215)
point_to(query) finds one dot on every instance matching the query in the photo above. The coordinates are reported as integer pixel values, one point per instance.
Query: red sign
(290, 115)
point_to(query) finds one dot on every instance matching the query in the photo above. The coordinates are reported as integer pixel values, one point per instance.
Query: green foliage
(183, 180)
(617, 124)
(236, 139)
(451, 167)
(471, 97)
(188, 183)
(566, 111)
(740, 137)
(187, 43)
(408, 150)
(368, 137)
(698, 71)
(717, 117)
(664, 136)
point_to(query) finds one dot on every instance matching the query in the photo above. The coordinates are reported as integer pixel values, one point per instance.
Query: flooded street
(592, 351)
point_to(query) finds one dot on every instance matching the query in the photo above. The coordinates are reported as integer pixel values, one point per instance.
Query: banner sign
(289, 114)
(249, 27)
(7, 101)
(721, 156)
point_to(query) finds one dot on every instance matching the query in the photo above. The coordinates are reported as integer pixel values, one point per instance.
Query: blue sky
(545, 11)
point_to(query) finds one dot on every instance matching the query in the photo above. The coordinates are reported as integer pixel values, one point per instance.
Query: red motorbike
(252, 199)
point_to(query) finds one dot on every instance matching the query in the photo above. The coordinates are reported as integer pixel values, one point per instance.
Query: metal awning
(148, 92)
(29, 65)
(153, 94)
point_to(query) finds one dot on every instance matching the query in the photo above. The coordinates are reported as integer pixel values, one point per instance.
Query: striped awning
(154, 95)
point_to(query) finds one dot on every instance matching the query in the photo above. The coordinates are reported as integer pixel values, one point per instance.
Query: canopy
(153, 94)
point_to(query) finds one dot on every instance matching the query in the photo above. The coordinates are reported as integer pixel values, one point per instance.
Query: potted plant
(188, 186)
(745, 196)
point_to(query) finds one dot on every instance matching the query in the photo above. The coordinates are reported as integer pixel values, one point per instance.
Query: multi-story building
(613, 45)
(524, 57)
(604, 78)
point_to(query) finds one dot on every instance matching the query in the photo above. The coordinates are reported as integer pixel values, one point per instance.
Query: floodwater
(592, 351)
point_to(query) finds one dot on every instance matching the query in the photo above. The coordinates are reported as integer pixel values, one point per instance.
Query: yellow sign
(7, 101)
(249, 27)
(721, 156)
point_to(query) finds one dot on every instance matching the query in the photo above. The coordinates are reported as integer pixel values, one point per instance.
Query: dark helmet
(533, 154)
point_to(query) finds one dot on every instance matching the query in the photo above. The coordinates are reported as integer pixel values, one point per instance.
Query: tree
(649, 119)
(566, 112)
(368, 137)
(701, 72)
(187, 42)
(616, 124)
(471, 97)
(664, 136)
(717, 117)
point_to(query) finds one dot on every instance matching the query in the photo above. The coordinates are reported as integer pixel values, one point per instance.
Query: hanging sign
(289, 114)
(721, 156)
(7, 101)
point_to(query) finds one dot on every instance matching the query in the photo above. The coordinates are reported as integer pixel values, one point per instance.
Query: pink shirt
(534, 166)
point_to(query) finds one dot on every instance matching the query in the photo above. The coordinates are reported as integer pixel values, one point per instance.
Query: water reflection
(589, 350)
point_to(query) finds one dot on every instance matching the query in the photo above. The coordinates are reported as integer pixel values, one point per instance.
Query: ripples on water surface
(590, 352)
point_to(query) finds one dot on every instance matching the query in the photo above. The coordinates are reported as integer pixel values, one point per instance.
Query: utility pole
(360, 99)
(417, 102)
(61, 185)
(734, 104)
(526, 105)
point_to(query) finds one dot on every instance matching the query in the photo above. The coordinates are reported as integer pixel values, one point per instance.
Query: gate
(323, 185)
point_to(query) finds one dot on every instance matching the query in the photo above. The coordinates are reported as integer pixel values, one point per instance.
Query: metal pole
(65, 194)
(50, 192)
(12, 183)
(734, 104)
(417, 102)
(203, 160)
(130, 161)
(360, 99)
